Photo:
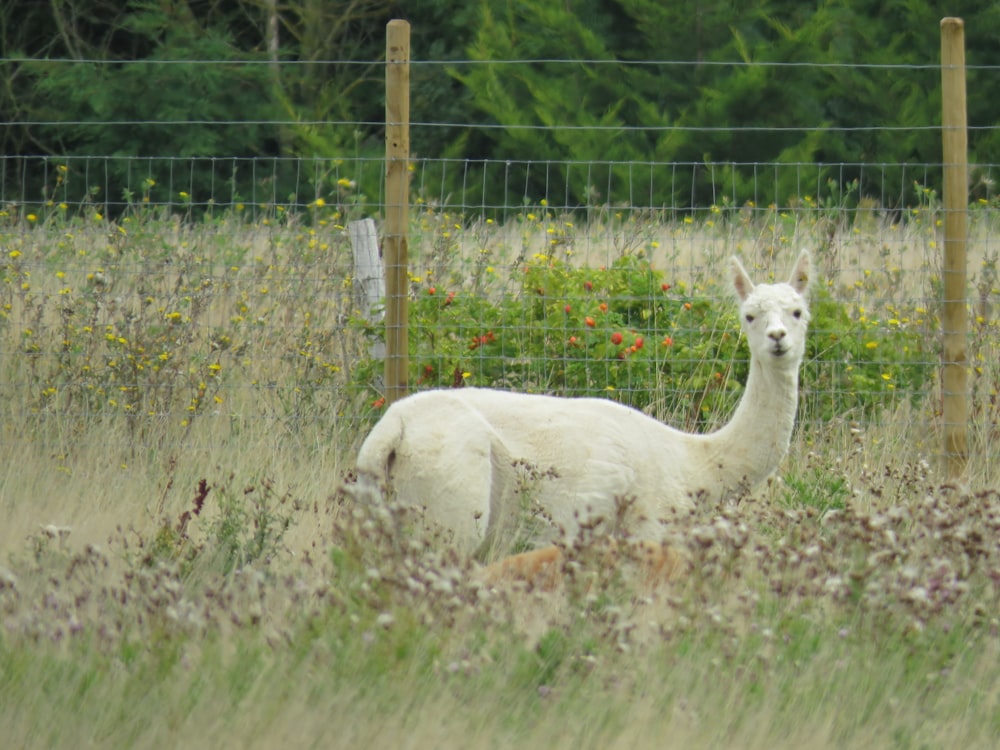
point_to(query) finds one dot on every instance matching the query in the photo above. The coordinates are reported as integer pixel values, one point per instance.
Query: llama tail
(375, 459)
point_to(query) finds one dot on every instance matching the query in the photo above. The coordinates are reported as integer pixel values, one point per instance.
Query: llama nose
(777, 334)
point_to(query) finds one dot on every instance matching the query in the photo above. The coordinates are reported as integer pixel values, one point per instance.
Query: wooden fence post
(397, 204)
(954, 318)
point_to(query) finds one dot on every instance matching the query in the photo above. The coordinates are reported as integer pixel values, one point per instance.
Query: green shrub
(625, 332)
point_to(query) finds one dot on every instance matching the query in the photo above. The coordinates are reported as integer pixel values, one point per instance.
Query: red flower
(638, 342)
(478, 341)
(589, 321)
(616, 338)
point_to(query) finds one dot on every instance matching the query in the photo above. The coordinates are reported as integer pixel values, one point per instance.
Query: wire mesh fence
(174, 296)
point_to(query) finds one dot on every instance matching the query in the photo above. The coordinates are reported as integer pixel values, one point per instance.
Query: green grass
(177, 569)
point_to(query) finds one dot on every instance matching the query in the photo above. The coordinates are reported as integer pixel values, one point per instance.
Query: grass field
(179, 404)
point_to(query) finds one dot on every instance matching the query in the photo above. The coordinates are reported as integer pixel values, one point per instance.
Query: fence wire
(170, 296)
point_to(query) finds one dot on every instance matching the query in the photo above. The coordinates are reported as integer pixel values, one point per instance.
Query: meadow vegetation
(181, 399)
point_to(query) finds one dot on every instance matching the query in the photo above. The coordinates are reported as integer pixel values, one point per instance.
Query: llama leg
(454, 492)
(543, 568)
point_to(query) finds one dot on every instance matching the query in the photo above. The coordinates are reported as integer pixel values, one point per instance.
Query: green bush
(625, 332)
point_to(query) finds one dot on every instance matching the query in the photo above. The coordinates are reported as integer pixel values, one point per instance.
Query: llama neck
(750, 447)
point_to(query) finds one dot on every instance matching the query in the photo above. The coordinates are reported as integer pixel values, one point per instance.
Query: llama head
(774, 317)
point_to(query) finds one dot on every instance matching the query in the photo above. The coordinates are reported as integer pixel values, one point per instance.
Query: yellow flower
(319, 203)
(31, 217)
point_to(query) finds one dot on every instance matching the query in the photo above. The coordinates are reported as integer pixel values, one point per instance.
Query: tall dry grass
(177, 568)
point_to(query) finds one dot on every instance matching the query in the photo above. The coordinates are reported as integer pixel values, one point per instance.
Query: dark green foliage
(850, 89)
(841, 84)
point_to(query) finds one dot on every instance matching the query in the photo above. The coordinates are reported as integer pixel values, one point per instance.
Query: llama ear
(741, 279)
(802, 273)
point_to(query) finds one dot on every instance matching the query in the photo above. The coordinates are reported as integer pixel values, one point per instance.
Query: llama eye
(749, 318)
(797, 314)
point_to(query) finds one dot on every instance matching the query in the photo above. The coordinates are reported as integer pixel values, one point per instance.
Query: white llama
(458, 453)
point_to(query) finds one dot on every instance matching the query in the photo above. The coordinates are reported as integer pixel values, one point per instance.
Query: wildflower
(31, 217)
(603, 307)
(667, 341)
(616, 338)
(589, 321)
